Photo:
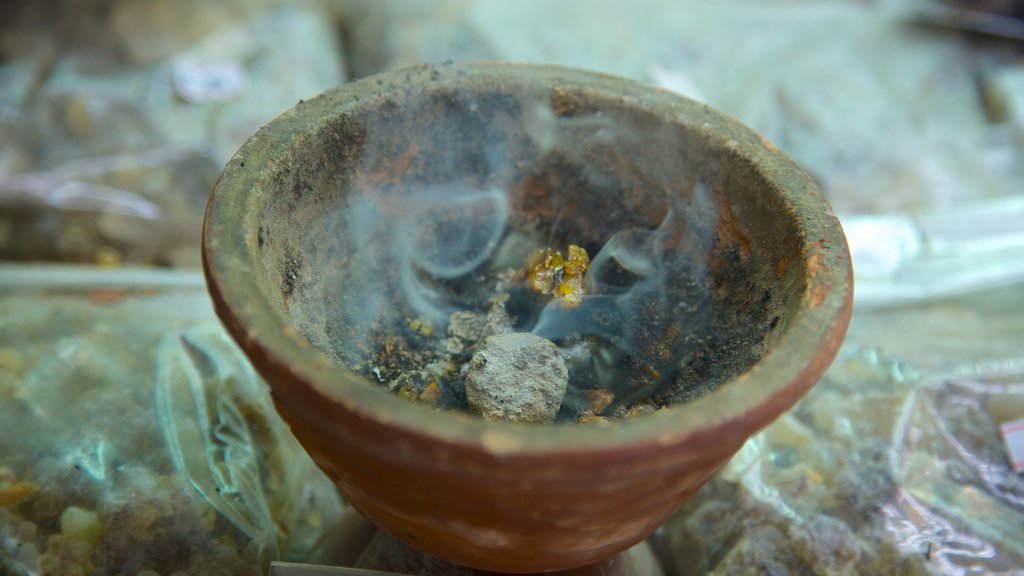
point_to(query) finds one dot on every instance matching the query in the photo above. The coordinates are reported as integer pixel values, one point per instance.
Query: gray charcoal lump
(517, 377)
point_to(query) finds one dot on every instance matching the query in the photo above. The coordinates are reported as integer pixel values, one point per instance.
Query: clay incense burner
(343, 218)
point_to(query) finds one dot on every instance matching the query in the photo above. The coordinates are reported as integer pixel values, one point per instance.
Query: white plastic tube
(903, 258)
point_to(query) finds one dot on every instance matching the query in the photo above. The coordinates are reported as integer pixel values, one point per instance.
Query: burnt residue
(560, 188)
(367, 194)
(564, 103)
(291, 275)
(307, 183)
(301, 188)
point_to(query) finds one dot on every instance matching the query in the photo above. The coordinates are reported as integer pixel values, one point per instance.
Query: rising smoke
(480, 173)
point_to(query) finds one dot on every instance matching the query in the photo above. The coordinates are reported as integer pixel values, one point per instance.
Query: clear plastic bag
(892, 464)
(138, 437)
(959, 501)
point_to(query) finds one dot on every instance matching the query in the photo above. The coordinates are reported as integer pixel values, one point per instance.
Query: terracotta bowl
(288, 243)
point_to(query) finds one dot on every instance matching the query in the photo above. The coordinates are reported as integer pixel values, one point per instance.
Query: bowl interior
(386, 210)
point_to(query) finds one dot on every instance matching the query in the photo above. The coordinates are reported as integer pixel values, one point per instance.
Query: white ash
(440, 369)
(498, 320)
(471, 327)
(517, 377)
(466, 325)
(451, 346)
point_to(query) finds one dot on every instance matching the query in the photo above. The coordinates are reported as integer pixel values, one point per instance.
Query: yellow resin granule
(550, 273)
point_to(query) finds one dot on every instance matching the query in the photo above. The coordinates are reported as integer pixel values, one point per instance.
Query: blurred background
(116, 117)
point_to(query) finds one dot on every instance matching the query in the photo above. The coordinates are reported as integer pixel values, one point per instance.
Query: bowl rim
(739, 407)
